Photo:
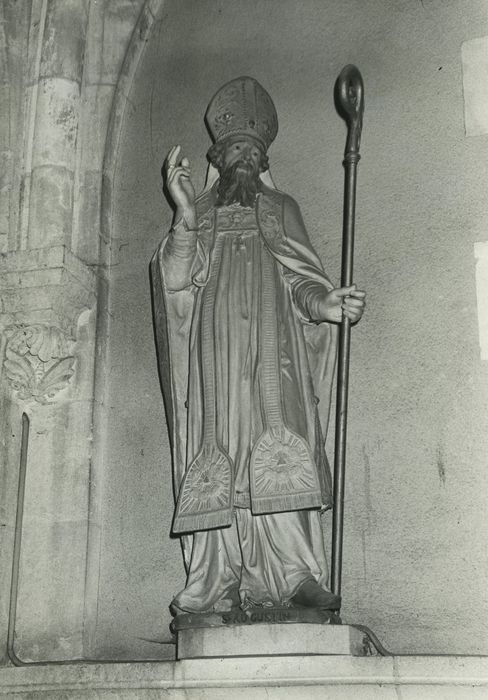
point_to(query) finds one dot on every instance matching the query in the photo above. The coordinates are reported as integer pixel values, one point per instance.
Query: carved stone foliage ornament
(38, 361)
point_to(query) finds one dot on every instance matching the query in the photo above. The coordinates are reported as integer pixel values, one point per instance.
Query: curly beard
(239, 182)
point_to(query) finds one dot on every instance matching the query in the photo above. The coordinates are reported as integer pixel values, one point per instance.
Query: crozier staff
(246, 322)
(350, 100)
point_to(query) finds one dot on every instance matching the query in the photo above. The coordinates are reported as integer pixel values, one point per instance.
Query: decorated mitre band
(242, 107)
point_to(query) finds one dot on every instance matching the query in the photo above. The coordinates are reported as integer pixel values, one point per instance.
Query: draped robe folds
(246, 370)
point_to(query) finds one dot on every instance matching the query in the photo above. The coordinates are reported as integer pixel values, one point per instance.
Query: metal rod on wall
(14, 584)
(350, 104)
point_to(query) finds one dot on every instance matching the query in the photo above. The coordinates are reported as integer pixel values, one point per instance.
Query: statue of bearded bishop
(245, 322)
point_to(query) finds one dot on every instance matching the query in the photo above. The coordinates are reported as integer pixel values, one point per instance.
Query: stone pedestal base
(272, 640)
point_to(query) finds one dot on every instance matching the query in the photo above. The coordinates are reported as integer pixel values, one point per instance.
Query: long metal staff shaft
(350, 102)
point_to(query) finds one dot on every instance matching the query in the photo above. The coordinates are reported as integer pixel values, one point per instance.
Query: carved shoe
(311, 595)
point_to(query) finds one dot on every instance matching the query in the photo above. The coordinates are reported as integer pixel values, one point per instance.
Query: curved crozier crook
(350, 103)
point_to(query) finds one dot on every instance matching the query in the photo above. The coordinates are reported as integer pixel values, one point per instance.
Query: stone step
(257, 678)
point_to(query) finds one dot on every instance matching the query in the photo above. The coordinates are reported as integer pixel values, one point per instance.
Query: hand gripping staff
(350, 104)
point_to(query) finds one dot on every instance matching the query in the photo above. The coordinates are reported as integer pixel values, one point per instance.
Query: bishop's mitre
(242, 107)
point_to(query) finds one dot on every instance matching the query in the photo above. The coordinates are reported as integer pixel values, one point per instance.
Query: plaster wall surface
(415, 556)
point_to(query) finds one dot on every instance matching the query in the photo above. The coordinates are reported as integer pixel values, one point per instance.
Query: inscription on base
(243, 617)
(255, 616)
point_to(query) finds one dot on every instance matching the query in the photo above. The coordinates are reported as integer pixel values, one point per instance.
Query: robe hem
(203, 521)
(279, 504)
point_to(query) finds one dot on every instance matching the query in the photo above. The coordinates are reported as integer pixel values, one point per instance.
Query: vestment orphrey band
(246, 370)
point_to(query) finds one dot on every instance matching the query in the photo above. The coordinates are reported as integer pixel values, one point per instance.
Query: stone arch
(141, 33)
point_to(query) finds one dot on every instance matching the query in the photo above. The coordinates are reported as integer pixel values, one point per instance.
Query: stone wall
(64, 65)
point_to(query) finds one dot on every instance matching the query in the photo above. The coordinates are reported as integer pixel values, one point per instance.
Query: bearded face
(239, 182)
(239, 166)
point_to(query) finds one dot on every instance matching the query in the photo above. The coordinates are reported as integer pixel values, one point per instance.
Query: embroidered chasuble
(246, 370)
